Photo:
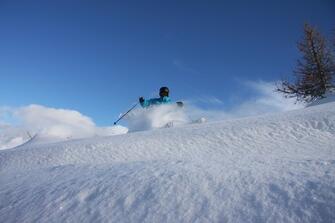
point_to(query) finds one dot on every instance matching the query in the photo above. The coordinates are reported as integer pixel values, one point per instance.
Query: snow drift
(269, 168)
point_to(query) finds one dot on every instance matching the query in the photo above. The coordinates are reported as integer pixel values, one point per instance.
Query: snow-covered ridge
(270, 168)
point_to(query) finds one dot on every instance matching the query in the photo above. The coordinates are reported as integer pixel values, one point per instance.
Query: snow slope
(270, 168)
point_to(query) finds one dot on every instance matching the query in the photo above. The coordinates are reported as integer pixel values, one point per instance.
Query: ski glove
(141, 99)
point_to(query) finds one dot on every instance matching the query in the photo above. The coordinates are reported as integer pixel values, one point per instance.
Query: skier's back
(163, 98)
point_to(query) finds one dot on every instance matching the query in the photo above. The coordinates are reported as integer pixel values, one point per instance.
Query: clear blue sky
(98, 57)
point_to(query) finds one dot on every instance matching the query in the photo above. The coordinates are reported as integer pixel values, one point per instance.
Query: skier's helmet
(164, 91)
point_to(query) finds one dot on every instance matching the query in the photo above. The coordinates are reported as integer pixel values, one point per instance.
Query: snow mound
(17, 136)
(270, 168)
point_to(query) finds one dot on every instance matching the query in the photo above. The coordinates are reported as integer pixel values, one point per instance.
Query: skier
(163, 98)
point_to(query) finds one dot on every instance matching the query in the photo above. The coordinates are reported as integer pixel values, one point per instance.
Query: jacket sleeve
(155, 101)
(145, 103)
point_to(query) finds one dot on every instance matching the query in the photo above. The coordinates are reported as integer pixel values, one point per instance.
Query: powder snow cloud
(19, 124)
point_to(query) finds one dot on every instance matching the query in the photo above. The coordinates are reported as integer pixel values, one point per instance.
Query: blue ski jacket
(156, 101)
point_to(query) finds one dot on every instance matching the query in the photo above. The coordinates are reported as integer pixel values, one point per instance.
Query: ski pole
(125, 113)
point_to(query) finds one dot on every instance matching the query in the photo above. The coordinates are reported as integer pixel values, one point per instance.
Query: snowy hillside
(270, 168)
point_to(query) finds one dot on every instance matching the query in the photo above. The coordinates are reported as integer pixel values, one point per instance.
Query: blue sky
(98, 57)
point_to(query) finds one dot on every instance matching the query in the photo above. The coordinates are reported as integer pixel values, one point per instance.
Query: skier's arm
(145, 103)
(153, 101)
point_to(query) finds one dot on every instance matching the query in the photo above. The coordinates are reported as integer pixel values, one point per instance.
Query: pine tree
(315, 71)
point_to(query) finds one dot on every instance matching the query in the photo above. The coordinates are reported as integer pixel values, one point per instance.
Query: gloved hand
(141, 99)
